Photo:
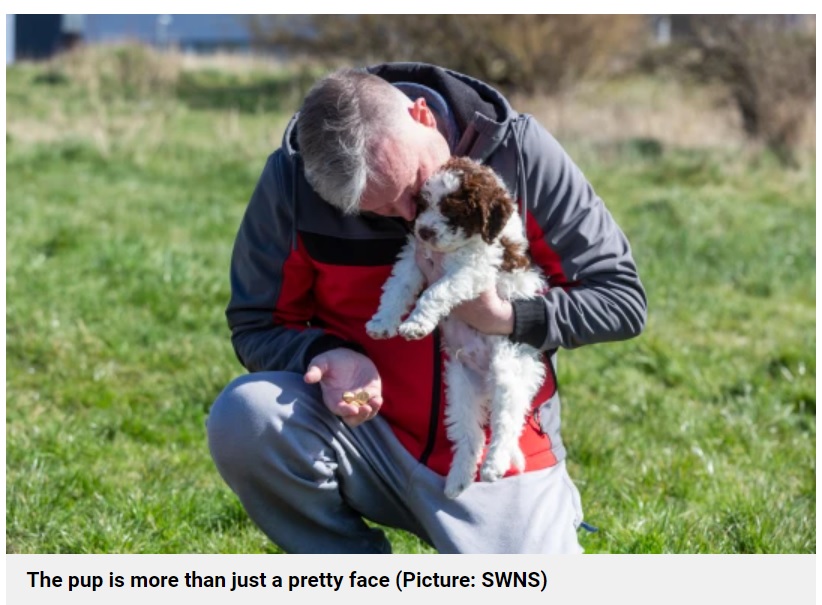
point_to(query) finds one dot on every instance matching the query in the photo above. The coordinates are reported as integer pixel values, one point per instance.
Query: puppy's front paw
(379, 329)
(416, 329)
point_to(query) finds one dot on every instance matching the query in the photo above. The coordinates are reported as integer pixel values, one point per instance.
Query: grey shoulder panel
(604, 299)
(264, 242)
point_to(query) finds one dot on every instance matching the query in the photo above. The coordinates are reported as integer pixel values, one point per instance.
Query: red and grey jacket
(305, 278)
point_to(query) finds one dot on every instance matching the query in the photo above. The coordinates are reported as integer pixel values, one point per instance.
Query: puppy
(467, 221)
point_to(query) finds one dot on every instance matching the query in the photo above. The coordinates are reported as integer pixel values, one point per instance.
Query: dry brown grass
(124, 95)
(128, 69)
(106, 128)
(129, 98)
(674, 113)
(232, 62)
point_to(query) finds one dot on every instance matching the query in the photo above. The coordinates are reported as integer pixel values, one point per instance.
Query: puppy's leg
(459, 284)
(517, 377)
(465, 416)
(398, 294)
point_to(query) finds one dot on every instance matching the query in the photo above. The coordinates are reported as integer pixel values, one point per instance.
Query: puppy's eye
(422, 203)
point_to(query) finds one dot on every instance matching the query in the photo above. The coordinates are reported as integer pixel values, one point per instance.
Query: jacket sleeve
(595, 294)
(272, 279)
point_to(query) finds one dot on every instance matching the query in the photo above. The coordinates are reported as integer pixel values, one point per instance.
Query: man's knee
(246, 417)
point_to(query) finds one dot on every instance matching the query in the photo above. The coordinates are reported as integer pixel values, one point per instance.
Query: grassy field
(123, 198)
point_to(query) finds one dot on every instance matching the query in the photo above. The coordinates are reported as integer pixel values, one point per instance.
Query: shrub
(769, 67)
(519, 53)
(131, 71)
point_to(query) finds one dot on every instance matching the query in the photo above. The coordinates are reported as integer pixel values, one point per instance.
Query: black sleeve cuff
(326, 342)
(530, 322)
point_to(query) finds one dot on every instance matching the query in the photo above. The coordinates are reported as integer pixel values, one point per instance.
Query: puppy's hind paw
(490, 474)
(494, 468)
(455, 485)
(518, 459)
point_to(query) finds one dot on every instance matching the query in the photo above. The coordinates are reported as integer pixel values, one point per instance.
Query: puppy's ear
(499, 210)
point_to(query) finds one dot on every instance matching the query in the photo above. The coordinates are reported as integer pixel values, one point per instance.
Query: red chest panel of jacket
(344, 298)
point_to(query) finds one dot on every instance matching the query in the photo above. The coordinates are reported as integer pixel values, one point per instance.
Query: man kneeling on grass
(329, 215)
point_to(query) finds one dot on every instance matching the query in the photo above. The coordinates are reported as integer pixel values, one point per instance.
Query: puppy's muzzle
(426, 233)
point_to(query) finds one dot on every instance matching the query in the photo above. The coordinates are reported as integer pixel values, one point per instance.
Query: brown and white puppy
(468, 222)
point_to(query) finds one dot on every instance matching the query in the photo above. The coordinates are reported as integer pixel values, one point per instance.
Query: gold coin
(360, 397)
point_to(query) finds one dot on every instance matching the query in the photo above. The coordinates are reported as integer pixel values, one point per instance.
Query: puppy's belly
(465, 344)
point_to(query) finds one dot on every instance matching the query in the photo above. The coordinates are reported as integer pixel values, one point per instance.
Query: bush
(131, 71)
(769, 68)
(519, 53)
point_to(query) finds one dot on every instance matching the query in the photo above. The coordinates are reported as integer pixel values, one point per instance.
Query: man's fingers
(370, 409)
(375, 403)
(314, 374)
(359, 416)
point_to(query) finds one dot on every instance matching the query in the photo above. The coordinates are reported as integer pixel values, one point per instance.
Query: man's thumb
(313, 375)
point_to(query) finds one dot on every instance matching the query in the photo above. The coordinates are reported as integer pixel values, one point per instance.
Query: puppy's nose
(425, 233)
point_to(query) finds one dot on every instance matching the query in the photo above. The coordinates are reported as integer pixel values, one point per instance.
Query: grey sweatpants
(308, 480)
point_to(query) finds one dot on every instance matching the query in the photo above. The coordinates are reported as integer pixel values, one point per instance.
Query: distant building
(41, 36)
(667, 28)
(189, 33)
(679, 28)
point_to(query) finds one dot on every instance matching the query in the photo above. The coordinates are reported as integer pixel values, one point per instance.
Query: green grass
(697, 437)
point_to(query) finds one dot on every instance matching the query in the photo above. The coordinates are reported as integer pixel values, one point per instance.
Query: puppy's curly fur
(467, 221)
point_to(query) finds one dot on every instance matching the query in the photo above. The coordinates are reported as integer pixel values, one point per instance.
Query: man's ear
(421, 113)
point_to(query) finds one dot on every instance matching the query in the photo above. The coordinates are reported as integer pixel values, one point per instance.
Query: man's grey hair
(342, 118)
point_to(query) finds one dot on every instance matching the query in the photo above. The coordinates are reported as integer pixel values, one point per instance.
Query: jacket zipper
(436, 402)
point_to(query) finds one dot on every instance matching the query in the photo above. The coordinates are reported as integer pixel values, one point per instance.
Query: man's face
(404, 162)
